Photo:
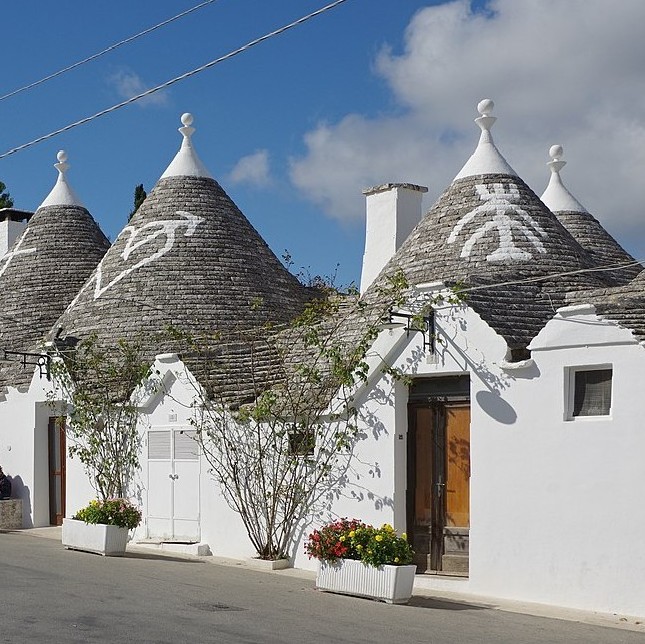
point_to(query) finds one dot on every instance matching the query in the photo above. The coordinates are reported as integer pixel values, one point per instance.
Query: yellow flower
(396, 560)
(404, 536)
(378, 537)
(342, 538)
(359, 547)
(352, 534)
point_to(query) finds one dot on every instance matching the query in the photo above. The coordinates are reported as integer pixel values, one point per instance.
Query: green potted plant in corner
(101, 527)
(359, 559)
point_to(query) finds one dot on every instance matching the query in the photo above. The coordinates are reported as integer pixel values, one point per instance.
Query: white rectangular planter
(391, 584)
(102, 539)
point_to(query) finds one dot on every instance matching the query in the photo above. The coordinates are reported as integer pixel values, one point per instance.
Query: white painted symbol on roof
(504, 215)
(8, 256)
(136, 238)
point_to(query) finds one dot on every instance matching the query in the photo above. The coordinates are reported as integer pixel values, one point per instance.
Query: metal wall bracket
(40, 360)
(411, 323)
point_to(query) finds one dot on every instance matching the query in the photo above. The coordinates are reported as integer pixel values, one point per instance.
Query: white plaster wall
(24, 448)
(557, 511)
(221, 528)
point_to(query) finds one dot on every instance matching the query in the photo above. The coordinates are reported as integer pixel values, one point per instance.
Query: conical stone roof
(603, 249)
(188, 259)
(490, 230)
(43, 271)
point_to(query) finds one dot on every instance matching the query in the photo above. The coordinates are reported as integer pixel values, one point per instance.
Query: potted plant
(101, 527)
(359, 559)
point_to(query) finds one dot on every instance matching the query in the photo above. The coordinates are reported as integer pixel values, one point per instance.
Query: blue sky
(295, 128)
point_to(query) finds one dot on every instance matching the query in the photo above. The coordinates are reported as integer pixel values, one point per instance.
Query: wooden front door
(57, 455)
(439, 484)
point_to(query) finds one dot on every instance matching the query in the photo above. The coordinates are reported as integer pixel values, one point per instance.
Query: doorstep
(193, 549)
(432, 582)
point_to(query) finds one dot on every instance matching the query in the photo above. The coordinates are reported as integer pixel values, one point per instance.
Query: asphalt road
(49, 594)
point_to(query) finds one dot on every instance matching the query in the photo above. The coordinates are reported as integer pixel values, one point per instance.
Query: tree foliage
(98, 382)
(5, 198)
(280, 458)
(139, 197)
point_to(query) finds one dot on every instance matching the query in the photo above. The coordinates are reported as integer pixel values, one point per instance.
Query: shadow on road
(159, 557)
(444, 604)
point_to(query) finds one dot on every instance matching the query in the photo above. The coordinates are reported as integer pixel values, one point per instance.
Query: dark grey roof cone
(43, 271)
(187, 259)
(488, 229)
(604, 250)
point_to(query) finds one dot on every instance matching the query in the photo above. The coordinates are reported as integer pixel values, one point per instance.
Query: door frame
(56, 477)
(436, 394)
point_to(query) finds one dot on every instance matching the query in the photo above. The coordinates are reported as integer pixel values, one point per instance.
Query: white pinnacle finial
(62, 194)
(485, 121)
(486, 159)
(485, 107)
(62, 166)
(186, 162)
(186, 129)
(556, 164)
(556, 197)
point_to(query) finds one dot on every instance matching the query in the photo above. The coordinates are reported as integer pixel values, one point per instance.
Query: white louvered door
(173, 485)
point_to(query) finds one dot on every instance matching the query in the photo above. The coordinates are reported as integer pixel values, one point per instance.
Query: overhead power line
(106, 50)
(606, 268)
(172, 81)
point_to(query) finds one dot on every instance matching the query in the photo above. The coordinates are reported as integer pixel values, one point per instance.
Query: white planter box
(391, 584)
(102, 539)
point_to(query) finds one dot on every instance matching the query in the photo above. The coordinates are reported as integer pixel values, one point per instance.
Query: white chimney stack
(12, 224)
(393, 210)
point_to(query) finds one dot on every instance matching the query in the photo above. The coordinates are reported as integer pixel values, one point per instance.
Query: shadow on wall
(496, 407)
(20, 491)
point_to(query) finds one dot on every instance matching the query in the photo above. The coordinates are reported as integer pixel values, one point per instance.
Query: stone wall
(11, 514)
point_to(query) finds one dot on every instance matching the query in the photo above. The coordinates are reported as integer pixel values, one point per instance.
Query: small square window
(591, 392)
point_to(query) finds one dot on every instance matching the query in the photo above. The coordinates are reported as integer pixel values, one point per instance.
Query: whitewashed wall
(24, 448)
(556, 511)
(171, 406)
(556, 505)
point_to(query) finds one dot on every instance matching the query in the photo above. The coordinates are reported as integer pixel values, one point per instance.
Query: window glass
(592, 393)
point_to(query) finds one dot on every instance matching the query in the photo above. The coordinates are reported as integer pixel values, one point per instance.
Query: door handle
(174, 477)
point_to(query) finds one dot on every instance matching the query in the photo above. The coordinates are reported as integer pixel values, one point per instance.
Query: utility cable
(106, 50)
(541, 278)
(172, 81)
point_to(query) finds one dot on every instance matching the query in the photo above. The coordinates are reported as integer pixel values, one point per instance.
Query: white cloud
(252, 169)
(559, 72)
(128, 84)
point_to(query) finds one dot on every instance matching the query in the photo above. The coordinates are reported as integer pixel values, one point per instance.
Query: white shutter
(159, 445)
(186, 447)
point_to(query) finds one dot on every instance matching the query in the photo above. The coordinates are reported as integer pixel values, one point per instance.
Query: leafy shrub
(352, 539)
(119, 512)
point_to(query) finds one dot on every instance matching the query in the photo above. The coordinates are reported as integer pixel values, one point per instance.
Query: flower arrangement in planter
(101, 527)
(118, 512)
(359, 559)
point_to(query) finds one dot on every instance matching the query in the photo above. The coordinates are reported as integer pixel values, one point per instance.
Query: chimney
(393, 210)
(12, 224)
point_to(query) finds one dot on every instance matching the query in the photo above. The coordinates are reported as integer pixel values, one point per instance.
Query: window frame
(570, 391)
